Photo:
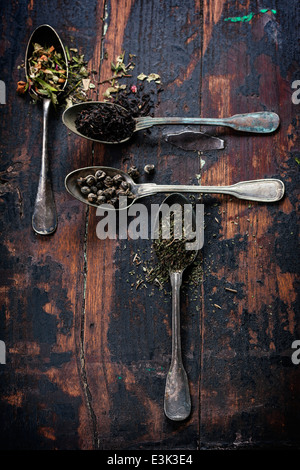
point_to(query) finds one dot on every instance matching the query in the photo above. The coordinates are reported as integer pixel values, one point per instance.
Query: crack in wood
(87, 392)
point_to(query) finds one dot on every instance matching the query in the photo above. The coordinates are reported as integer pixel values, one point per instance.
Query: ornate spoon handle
(264, 190)
(177, 402)
(44, 220)
(261, 122)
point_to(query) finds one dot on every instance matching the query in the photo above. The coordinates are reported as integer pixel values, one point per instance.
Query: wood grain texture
(88, 348)
(242, 73)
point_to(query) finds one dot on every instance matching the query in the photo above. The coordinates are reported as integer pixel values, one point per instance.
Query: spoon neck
(145, 122)
(176, 279)
(145, 189)
(151, 188)
(46, 108)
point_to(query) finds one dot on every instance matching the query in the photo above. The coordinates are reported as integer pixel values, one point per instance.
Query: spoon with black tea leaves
(172, 250)
(260, 122)
(44, 219)
(262, 190)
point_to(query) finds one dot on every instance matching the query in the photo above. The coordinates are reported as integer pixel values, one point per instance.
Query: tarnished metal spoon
(177, 400)
(263, 190)
(261, 122)
(44, 219)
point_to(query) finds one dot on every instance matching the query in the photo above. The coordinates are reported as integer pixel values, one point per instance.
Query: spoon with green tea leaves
(110, 123)
(114, 188)
(46, 69)
(174, 231)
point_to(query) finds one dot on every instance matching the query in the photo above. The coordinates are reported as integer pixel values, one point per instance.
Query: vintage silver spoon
(44, 219)
(261, 122)
(177, 400)
(262, 190)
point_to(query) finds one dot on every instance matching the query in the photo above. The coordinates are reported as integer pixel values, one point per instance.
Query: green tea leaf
(141, 76)
(46, 85)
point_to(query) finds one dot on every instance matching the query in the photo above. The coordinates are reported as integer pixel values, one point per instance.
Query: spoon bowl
(263, 190)
(73, 188)
(72, 112)
(46, 36)
(260, 122)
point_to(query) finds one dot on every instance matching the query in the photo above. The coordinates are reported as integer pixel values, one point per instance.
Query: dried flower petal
(21, 87)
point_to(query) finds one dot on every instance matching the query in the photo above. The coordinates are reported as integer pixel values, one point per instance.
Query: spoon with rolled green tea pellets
(118, 190)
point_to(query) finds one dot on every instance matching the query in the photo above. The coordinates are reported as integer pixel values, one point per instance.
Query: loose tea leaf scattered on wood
(79, 81)
(149, 169)
(138, 102)
(105, 122)
(158, 274)
(148, 272)
(137, 97)
(119, 70)
(134, 173)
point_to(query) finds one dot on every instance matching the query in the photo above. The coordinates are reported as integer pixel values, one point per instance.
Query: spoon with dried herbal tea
(110, 123)
(173, 232)
(46, 69)
(97, 185)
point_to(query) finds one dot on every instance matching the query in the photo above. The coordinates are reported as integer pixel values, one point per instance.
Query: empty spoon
(44, 219)
(261, 122)
(262, 190)
(172, 252)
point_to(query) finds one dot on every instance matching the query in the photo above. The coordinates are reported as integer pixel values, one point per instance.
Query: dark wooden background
(87, 351)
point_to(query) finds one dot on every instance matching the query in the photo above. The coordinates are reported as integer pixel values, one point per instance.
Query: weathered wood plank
(42, 396)
(247, 340)
(127, 351)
